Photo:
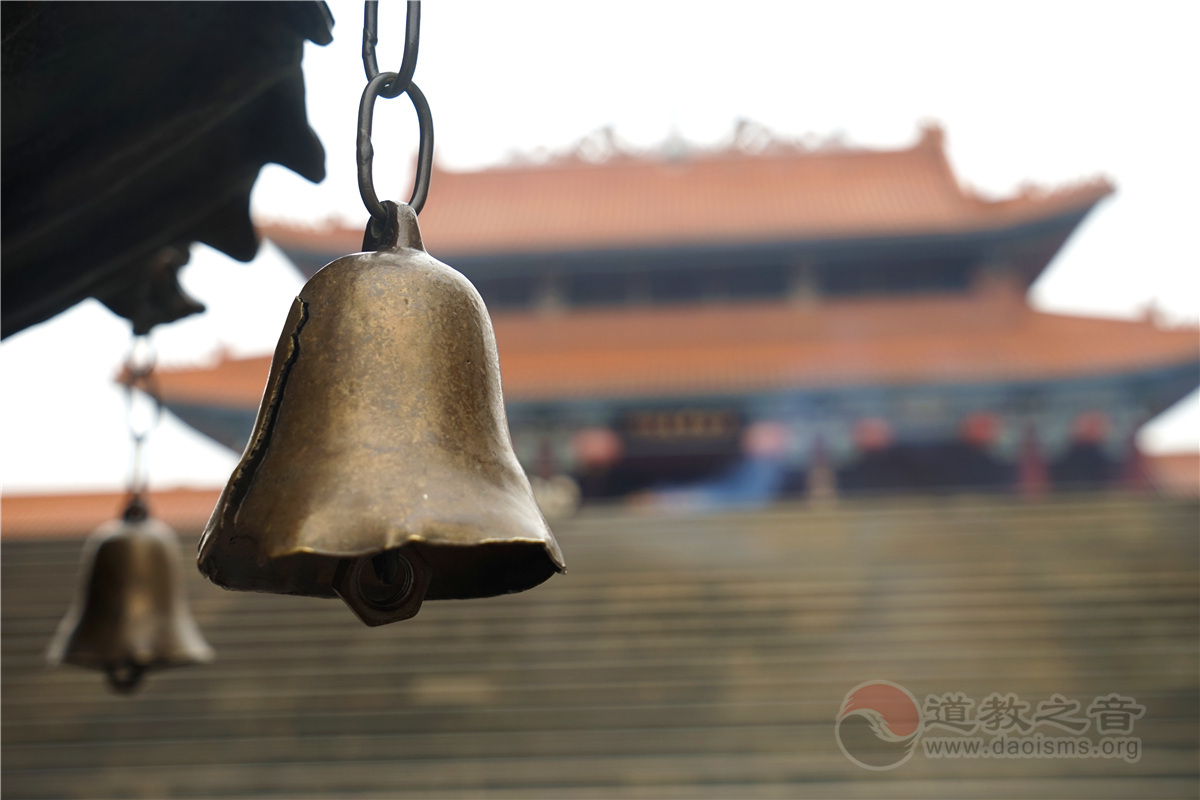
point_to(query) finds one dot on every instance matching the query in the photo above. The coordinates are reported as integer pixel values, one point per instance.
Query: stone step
(680, 656)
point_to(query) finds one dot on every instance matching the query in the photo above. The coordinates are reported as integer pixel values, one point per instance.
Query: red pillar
(1033, 479)
(1135, 473)
(822, 480)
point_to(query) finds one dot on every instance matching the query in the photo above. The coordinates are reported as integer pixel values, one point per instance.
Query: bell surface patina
(131, 614)
(380, 469)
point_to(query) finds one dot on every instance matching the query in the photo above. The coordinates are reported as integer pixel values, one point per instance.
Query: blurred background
(842, 342)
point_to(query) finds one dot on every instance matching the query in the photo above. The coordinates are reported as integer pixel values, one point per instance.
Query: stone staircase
(681, 656)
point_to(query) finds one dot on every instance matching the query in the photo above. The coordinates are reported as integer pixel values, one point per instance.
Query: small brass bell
(380, 469)
(130, 614)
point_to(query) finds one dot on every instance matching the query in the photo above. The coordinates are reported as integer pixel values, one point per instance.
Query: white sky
(1041, 92)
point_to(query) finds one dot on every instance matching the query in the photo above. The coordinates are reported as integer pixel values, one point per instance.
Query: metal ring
(366, 153)
(412, 41)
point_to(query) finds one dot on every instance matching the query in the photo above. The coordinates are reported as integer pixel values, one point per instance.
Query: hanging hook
(412, 41)
(366, 152)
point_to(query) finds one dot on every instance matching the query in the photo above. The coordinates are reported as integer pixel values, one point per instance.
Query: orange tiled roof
(781, 194)
(25, 516)
(704, 350)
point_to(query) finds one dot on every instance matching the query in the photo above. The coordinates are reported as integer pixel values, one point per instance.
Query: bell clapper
(124, 677)
(384, 587)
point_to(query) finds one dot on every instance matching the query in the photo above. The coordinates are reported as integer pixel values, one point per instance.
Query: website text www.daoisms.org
(1128, 748)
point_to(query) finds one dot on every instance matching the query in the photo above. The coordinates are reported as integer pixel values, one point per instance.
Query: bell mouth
(463, 572)
(455, 571)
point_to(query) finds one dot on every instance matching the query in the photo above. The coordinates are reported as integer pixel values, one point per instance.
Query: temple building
(770, 319)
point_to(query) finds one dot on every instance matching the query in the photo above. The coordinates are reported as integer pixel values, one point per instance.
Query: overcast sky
(1047, 93)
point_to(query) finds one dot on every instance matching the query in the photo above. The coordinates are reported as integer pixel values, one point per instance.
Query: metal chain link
(139, 374)
(390, 85)
(412, 42)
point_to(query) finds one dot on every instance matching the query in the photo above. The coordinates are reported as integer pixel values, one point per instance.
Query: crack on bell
(242, 482)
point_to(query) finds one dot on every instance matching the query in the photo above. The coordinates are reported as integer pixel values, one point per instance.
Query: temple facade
(772, 320)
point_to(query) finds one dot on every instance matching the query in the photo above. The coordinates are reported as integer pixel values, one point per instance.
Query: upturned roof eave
(530, 346)
(304, 250)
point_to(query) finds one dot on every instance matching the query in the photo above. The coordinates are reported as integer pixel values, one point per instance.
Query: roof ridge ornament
(748, 137)
(600, 146)
(932, 134)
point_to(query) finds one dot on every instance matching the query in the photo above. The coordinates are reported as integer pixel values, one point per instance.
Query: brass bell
(130, 614)
(380, 469)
